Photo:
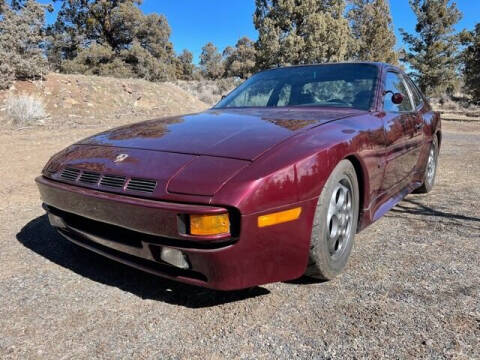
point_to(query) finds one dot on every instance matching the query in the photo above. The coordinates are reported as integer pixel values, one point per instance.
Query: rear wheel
(430, 169)
(335, 223)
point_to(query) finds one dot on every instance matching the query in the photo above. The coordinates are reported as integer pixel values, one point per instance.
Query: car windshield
(331, 85)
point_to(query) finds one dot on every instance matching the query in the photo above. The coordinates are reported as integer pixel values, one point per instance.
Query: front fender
(297, 169)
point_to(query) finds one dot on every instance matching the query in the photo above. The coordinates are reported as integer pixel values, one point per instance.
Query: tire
(335, 223)
(430, 169)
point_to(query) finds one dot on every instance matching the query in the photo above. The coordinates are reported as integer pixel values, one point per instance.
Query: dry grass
(25, 110)
(456, 108)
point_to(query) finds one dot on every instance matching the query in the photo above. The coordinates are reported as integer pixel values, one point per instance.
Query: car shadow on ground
(41, 238)
(415, 207)
(305, 280)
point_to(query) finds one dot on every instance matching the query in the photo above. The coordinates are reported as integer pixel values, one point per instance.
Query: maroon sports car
(270, 184)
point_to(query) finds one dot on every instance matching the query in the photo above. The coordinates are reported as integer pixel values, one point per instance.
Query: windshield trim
(311, 107)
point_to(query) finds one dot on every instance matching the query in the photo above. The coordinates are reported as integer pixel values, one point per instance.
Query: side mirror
(224, 96)
(397, 98)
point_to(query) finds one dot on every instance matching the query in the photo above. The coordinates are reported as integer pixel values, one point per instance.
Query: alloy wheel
(339, 218)
(431, 166)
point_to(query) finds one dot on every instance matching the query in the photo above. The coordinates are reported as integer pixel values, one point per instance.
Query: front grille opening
(113, 181)
(70, 174)
(89, 177)
(110, 181)
(143, 264)
(111, 233)
(143, 185)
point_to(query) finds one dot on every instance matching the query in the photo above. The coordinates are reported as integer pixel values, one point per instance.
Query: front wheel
(335, 223)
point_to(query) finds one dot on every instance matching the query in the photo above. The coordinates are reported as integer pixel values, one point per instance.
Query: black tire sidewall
(323, 266)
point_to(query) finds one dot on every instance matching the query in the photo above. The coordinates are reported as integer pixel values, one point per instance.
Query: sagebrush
(25, 110)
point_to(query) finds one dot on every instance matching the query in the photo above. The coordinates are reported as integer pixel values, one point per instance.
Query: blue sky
(196, 22)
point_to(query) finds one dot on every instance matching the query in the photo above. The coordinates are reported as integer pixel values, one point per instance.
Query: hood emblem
(120, 158)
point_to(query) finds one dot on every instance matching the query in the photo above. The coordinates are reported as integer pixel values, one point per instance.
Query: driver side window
(395, 83)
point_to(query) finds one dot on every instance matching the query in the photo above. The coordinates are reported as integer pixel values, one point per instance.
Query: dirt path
(412, 288)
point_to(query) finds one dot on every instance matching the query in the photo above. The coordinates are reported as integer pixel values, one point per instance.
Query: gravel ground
(412, 288)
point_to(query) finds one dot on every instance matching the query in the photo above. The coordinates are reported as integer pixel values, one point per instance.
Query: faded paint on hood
(232, 133)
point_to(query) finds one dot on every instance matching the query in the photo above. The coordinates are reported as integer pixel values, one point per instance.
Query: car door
(400, 133)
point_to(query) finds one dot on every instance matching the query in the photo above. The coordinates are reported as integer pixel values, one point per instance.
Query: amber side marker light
(209, 224)
(279, 217)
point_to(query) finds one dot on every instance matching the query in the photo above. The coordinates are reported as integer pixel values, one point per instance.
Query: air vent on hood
(70, 174)
(89, 177)
(144, 185)
(113, 181)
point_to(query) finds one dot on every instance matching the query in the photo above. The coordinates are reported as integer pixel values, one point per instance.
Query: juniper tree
(301, 31)
(372, 28)
(21, 39)
(82, 22)
(471, 63)
(432, 51)
(240, 61)
(185, 65)
(111, 38)
(211, 62)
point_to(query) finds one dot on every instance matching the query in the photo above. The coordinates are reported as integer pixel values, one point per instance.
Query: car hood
(230, 133)
(141, 172)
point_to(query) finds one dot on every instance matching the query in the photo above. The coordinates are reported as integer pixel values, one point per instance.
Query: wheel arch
(361, 176)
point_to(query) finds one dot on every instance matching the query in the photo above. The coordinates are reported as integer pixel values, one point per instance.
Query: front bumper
(134, 230)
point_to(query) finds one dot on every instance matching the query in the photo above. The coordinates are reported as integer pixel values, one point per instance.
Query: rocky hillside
(78, 100)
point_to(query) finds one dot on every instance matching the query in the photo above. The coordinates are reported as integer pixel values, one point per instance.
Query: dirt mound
(78, 100)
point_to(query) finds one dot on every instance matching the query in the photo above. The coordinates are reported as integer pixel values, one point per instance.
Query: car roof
(377, 64)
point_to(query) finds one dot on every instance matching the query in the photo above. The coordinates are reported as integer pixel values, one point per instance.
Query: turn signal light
(279, 217)
(209, 224)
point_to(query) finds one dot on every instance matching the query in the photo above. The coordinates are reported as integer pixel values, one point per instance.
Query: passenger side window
(416, 96)
(396, 84)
